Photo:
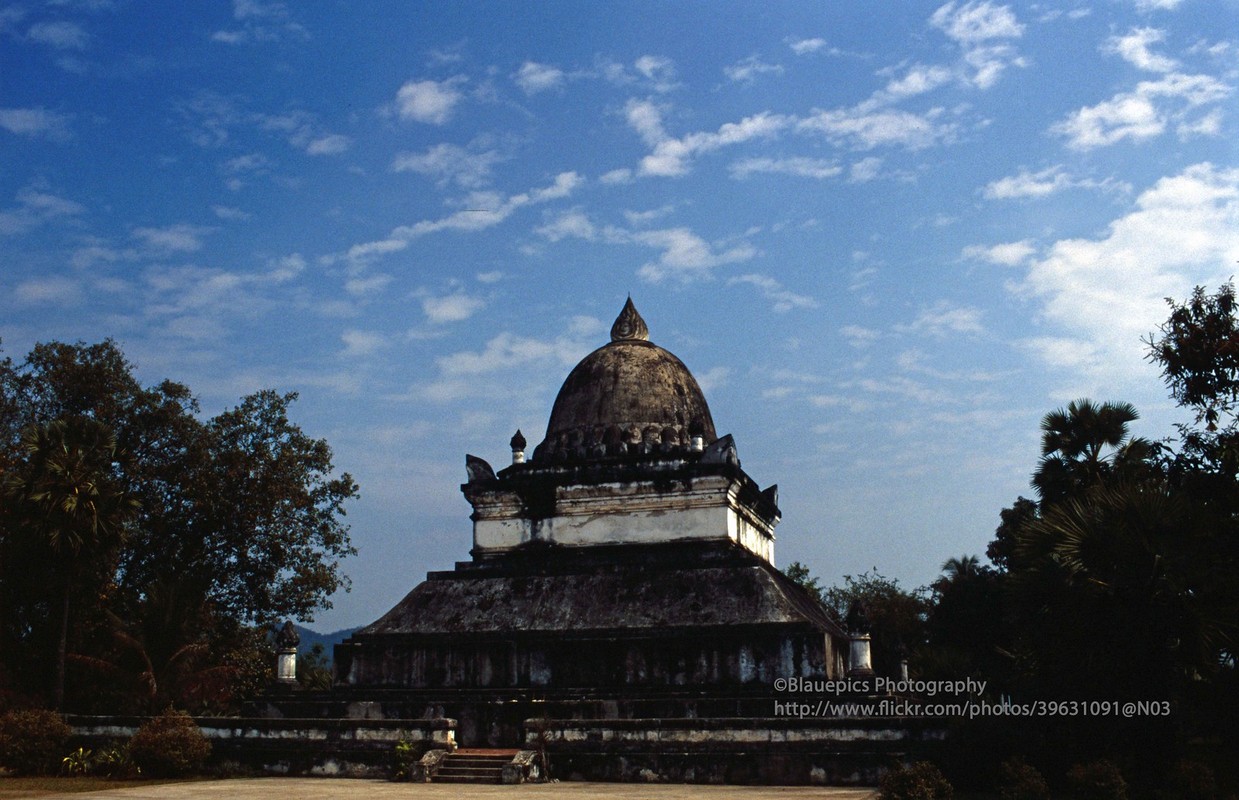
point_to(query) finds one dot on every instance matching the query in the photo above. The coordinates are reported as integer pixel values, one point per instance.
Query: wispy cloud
(533, 77)
(1143, 113)
(34, 207)
(868, 125)
(451, 308)
(801, 167)
(449, 163)
(749, 69)
(1134, 48)
(1105, 293)
(686, 257)
(1008, 254)
(491, 209)
(431, 102)
(180, 238)
(35, 123)
(980, 29)
(1044, 183)
(802, 47)
(670, 157)
(782, 299)
(944, 319)
(260, 22)
(61, 35)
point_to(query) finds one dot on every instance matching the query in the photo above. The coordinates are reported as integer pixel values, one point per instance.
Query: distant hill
(309, 638)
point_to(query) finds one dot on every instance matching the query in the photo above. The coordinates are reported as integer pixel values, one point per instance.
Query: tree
(66, 495)
(1085, 443)
(240, 520)
(800, 575)
(897, 617)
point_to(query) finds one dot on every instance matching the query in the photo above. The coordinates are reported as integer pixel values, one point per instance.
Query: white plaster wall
(629, 513)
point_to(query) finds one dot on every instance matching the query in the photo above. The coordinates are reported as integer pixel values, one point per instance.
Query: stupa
(625, 570)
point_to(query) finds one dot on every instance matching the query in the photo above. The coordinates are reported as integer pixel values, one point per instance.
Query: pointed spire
(629, 325)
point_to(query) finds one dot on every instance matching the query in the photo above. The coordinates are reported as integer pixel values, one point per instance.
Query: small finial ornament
(629, 326)
(518, 448)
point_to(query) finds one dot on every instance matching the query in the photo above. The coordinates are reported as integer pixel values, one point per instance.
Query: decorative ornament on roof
(629, 325)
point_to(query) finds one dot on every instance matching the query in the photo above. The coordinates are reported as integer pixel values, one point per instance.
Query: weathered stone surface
(627, 393)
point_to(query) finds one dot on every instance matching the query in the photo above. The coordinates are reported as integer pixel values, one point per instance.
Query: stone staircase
(474, 766)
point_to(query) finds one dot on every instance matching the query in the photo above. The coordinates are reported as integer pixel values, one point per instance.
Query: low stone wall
(327, 747)
(777, 750)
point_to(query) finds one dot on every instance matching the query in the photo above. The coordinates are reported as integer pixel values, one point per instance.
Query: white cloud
(749, 69)
(328, 145)
(452, 308)
(670, 157)
(1028, 184)
(801, 167)
(533, 77)
(1145, 6)
(1105, 293)
(803, 47)
(180, 238)
(859, 337)
(782, 299)
(362, 285)
(867, 126)
(976, 26)
(865, 170)
(975, 22)
(60, 35)
(35, 206)
(260, 22)
(686, 256)
(361, 343)
(491, 209)
(48, 291)
(231, 214)
(1134, 48)
(1009, 254)
(616, 177)
(35, 122)
(659, 71)
(1140, 114)
(450, 163)
(432, 102)
(570, 224)
(918, 80)
(944, 319)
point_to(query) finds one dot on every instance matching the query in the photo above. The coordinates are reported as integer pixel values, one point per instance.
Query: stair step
(474, 766)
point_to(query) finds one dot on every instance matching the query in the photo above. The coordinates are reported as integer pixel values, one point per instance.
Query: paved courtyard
(331, 789)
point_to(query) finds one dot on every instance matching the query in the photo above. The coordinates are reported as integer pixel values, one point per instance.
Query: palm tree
(1085, 442)
(66, 495)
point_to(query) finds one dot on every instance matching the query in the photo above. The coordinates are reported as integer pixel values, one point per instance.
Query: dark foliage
(32, 742)
(169, 746)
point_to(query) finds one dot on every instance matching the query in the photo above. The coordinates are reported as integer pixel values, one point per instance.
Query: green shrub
(169, 745)
(919, 781)
(79, 762)
(404, 756)
(32, 741)
(1019, 780)
(116, 762)
(1099, 780)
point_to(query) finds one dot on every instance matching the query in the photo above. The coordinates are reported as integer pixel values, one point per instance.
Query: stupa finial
(629, 325)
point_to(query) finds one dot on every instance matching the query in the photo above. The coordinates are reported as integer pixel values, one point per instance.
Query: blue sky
(886, 237)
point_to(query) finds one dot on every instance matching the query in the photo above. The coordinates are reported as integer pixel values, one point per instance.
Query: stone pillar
(860, 662)
(286, 642)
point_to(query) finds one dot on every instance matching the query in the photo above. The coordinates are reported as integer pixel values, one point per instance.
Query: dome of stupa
(629, 396)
